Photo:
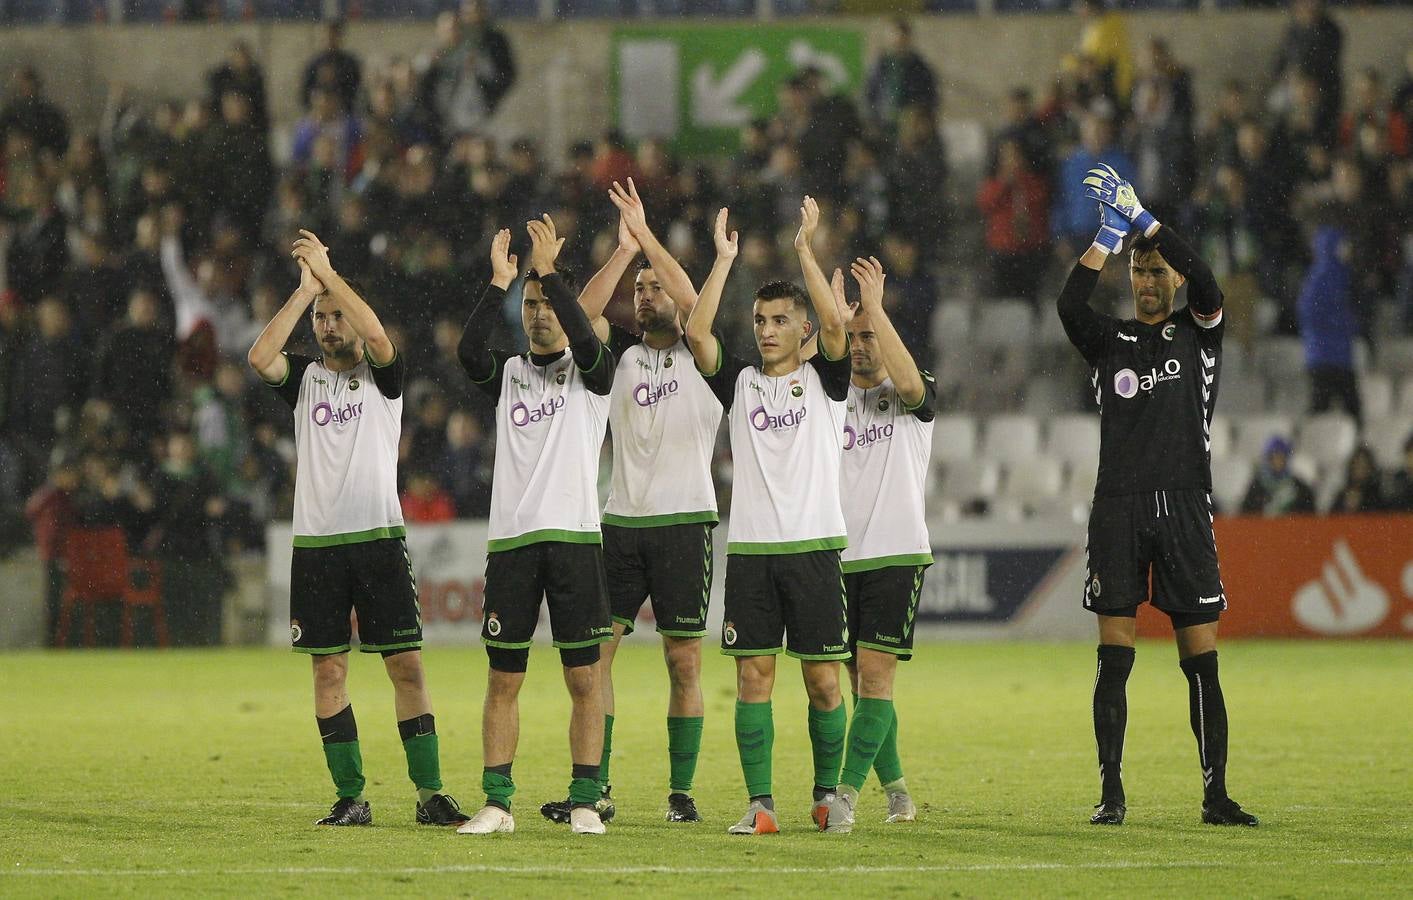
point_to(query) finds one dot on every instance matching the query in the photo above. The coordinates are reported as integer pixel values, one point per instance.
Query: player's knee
(405, 670)
(582, 680)
(330, 672)
(580, 657)
(754, 681)
(822, 684)
(874, 676)
(502, 659)
(684, 662)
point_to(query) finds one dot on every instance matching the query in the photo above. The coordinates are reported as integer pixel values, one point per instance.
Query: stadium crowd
(142, 259)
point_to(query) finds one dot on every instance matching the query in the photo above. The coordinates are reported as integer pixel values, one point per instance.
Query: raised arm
(265, 355)
(669, 271)
(311, 251)
(481, 365)
(901, 366)
(1204, 297)
(706, 350)
(593, 299)
(833, 338)
(589, 352)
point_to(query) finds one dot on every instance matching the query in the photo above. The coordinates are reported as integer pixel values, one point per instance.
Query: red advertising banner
(1307, 576)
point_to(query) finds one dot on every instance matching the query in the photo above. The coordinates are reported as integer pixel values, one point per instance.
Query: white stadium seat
(1405, 396)
(1011, 439)
(1005, 323)
(1080, 485)
(1329, 439)
(1386, 438)
(1280, 357)
(952, 322)
(1230, 478)
(1241, 393)
(1252, 433)
(1074, 439)
(964, 480)
(1035, 479)
(1396, 354)
(1375, 395)
(1221, 437)
(1291, 395)
(953, 438)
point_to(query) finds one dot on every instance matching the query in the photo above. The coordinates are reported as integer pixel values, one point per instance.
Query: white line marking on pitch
(671, 870)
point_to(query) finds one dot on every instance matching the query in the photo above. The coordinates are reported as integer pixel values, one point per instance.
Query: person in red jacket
(425, 500)
(1016, 204)
(50, 513)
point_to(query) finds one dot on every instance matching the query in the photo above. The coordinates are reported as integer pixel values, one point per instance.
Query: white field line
(674, 870)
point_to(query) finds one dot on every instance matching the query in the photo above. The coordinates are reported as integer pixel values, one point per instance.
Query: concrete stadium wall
(563, 92)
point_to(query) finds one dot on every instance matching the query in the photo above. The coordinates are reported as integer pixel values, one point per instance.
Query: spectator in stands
(333, 69)
(48, 384)
(425, 500)
(241, 74)
(917, 183)
(489, 51)
(1219, 135)
(1362, 490)
(465, 78)
(1326, 314)
(138, 391)
(187, 540)
(900, 78)
(243, 175)
(1023, 126)
(1276, 490)
(1104, 41)
(1230, 242)
(912, 292)
(220, 426)
(612, 161)
(1015, 202)
(1269, 174)
(1162, 132)
(32, 113)
(50, 514)
(1400, 495)
(467, 464)
(14, 334)
(831, 123)
(1370, 106)
(329, 120)
(38, 253)
(1313, 46)
(1072, 219)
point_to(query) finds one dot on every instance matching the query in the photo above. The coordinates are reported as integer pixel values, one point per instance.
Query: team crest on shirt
(882, 404)
(667, 363)
(796, 389)
(561, 378)
(728, 634)
(492, 625)
(353, 384)
(295, 631)
(1168, 331)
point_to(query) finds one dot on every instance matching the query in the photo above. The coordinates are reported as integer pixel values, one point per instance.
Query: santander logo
(522, 415)
(868, 437)
(645, 395)
(764, 421)
(324, 413)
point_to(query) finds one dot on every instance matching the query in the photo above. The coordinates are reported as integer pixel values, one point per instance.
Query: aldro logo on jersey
(868, 437)
(324, 413)
(647, 395)
(522, 415)
(761, 420)
(1127, 382)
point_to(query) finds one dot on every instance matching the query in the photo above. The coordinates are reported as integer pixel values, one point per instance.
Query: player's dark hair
(565, 273)
(1141, 246)
(783, 290)
(643, 263)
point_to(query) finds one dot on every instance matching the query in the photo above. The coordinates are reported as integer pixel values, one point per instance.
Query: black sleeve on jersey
(926, 409)
(833, 373)
(723, 381)
(485, 367)
(294, 377)
(621, 340)
(1088, 330)
(594, 360)
(1204, 298)
(389, 377)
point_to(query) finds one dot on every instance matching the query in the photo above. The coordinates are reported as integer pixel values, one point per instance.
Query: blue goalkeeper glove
(1110, 189)
(1113, 228)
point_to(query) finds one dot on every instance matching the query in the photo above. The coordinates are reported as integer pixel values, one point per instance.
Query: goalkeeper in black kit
(1155, 378)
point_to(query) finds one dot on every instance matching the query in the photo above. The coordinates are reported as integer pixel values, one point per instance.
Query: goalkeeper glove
(1106, 186)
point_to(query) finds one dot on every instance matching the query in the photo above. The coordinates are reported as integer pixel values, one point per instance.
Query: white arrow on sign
(715, 100)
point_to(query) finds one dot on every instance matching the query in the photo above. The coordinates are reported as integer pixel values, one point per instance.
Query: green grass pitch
(200, 774)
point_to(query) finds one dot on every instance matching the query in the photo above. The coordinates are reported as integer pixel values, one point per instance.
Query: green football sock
(419, 744)
(827, 732)
(495, 781)
(340, 735)
(872, 719)
(755, 740)
(684, 743)
(607, 752)
(887, 764)
(584, 785)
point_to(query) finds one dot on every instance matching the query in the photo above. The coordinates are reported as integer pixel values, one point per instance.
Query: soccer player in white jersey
(551, 414)
(349, 552)
(887, 442)
(657, 526)
(787, 526)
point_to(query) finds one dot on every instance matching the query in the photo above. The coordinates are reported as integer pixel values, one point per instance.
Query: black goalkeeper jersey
(1155, 384)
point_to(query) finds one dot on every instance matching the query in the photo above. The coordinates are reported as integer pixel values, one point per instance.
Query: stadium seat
(1230, 478)
(98, 570)
(1034, 479)
(1252, 433)
(1306, 468)
(1004, 323)
(1375, 395)
(953, 438)
(1073, 439)
(1079, 487)
(1290, 395)
(1220, 433)
(1395, 355)
(1405, 396)
(1047, 396)
(1329, 438)
(1386, 438)
(1241, 393)
(1011, 439)
(964, 480)
(1280, 357)
(1049, 330)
